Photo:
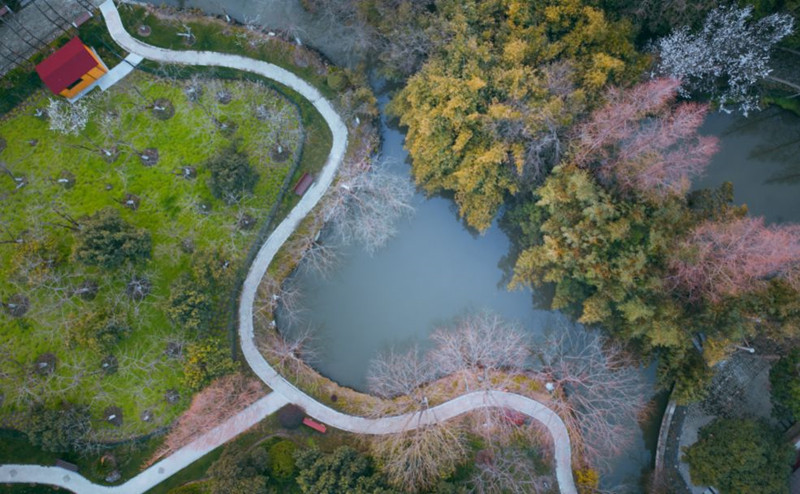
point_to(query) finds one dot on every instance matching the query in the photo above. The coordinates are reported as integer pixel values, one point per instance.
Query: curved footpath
(283, 391)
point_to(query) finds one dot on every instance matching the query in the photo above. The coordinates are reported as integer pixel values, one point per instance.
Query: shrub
(189, 306)
(232, 177)
(785, 380)
(736, 455)
(206, 360)
(107, 240)
(291, 416)
(60, 430)
(281, 460)
(337, 80)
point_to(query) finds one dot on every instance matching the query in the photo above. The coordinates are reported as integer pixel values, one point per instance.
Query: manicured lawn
(172, 208)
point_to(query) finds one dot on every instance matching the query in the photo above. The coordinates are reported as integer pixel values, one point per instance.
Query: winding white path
(283, 391)
(158, 472)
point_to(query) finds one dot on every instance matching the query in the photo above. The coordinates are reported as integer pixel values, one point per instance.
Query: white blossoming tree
(67, 118)
(726, 58)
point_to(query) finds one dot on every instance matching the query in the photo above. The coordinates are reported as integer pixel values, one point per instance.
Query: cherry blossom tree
(66, 118)
(210, 407)
(641, 143)
(727, 57)
(720, 259)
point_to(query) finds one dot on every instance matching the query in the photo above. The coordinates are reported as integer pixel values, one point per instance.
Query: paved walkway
(158, 472)
(283, 390)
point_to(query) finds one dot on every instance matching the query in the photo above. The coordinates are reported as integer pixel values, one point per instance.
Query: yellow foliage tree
(486, 113)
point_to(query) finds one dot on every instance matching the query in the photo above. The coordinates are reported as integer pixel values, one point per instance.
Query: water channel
(435, 268)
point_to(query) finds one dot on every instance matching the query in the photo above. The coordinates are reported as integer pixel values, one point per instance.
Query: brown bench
(303, 184)
(67, 465)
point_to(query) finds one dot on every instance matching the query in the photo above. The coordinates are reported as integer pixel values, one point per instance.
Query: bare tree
(292, 353)
(367, 203)
(344, 22)
(482, 350)
(284, 298)
(416, 459)
(480, 347)
(508, 471)
(320, 258)
(393, 374)
(603, 393)
(66, 118)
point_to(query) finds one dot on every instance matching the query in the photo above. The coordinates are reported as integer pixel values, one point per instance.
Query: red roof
(66, 65)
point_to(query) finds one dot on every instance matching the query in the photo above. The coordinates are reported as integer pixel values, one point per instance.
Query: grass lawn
(67, 178)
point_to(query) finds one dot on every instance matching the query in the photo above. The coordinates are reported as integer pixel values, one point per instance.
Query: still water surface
(433, 270)
(761, 156)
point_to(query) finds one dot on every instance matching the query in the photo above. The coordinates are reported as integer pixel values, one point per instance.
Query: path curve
(159, 471)
(284, 391)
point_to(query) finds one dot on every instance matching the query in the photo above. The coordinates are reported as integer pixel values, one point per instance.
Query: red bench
(303, 184)
(315, 425)
(514, 417)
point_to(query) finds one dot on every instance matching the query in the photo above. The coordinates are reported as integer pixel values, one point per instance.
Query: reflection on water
(432, 271)
(761, 156)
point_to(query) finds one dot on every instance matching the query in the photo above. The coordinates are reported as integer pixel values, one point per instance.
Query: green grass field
(172, 208)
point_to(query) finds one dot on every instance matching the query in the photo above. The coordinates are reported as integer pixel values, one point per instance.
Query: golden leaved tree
(486, 113)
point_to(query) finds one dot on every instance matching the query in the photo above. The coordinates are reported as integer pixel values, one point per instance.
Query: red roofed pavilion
(71, 69)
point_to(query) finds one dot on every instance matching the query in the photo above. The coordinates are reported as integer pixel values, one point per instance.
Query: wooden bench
(5, 10)
(303, 184)
(67, 465)
(314, 425)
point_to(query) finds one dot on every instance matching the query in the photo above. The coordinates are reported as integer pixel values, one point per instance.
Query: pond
(760, 155)
(433, 270)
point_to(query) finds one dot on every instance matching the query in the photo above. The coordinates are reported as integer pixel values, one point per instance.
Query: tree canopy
(736, 455)
(343, 470)
(232, 177)
(240, 470)
(106, 239)
(486, 113)
(784, 379)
